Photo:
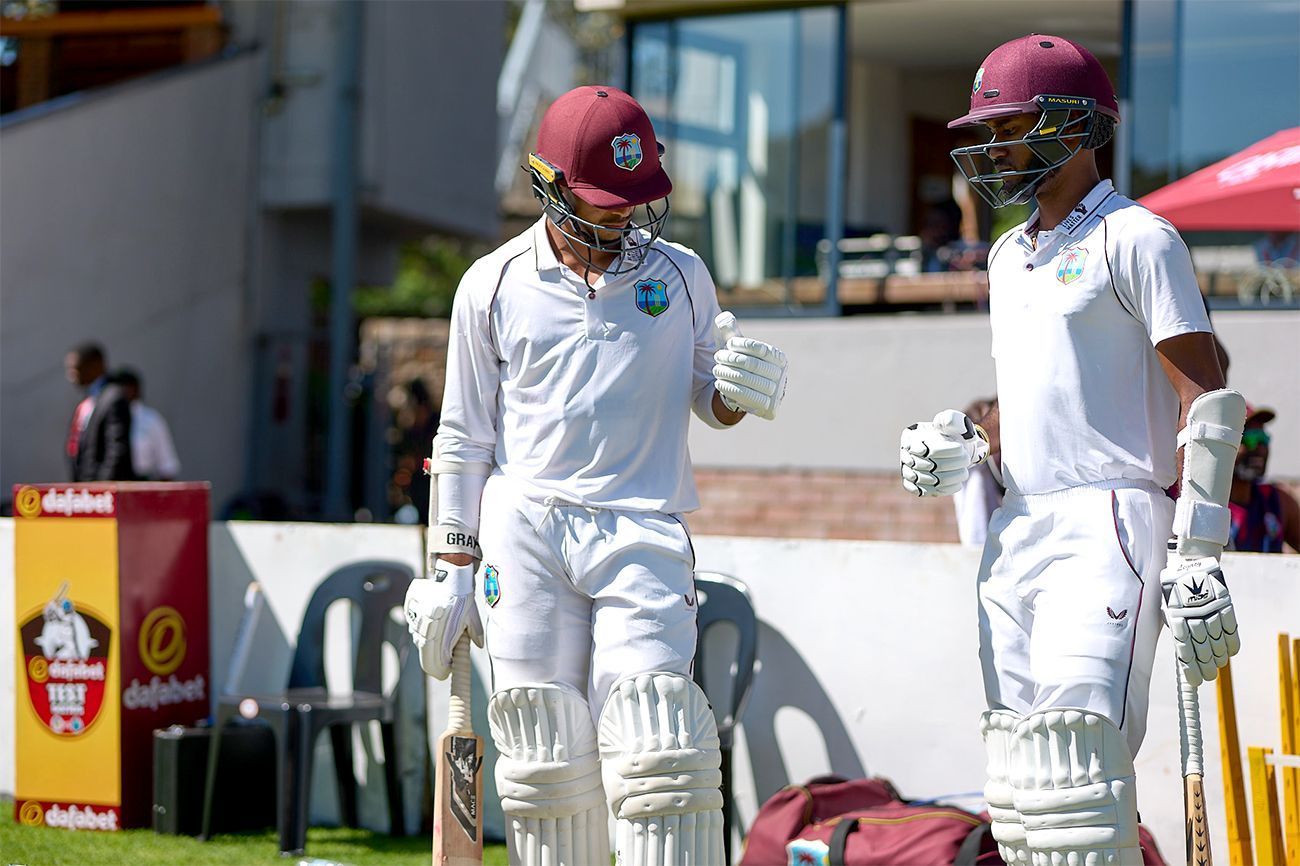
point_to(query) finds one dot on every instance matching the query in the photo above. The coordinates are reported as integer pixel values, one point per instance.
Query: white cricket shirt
(583, 398)
(1082, 395)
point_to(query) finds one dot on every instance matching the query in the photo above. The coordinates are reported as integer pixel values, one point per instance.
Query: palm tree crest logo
(651, 297)
(627, 150)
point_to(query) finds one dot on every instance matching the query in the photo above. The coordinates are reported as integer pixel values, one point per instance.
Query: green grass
(45, 846)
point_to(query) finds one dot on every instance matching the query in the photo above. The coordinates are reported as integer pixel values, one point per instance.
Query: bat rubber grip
(458, 709)
(1189, 706)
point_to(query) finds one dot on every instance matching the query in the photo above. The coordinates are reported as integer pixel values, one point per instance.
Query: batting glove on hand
(1199, 612)
(935, 457)
(438, 610)
(749, 374)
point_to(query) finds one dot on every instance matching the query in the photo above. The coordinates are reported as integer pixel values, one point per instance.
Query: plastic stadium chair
(724, 600)
(305, 709)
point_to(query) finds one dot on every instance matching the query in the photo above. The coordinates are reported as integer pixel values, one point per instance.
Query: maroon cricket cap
(601, 138)
(1023, 69)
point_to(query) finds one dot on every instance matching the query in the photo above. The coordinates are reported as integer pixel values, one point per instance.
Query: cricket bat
(1197, 825)
(457, 819)
(458, 765)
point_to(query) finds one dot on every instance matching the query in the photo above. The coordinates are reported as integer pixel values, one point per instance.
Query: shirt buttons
(1029, 266)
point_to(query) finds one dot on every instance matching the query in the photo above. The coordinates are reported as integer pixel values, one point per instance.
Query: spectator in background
(981, 495)
(152, 451)
(942, 228)
(1263, 515)
(415, 420)
(98, 444)
(1278, 249)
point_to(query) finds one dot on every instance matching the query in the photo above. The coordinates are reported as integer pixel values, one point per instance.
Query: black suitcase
(245, 792)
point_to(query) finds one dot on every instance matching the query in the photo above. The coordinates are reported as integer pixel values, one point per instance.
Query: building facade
(791, 125)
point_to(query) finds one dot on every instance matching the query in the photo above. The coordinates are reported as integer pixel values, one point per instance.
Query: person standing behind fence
(153, 453)
(1264, 516)
(98, 445)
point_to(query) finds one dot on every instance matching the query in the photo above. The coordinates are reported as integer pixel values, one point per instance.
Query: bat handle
(458, 710)
(725, 328)
(1189, 706)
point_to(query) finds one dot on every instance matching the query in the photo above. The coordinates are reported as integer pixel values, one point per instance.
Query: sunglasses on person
(1254, 438)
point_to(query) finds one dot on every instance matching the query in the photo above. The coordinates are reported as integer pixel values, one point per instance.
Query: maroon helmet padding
(578, 136)
(1023, 69)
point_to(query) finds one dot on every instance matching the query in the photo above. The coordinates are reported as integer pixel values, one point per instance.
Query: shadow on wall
(788, 709)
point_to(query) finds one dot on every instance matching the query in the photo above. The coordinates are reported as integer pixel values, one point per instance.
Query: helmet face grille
(1065, 126)
(630, 244)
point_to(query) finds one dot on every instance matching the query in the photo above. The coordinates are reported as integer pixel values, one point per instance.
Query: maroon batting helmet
(597, 143)
(1037, 74)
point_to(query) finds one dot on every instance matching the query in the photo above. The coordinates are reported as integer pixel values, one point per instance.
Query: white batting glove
(438, 610)
(935, 457)
(1199, 612)
(749, 374)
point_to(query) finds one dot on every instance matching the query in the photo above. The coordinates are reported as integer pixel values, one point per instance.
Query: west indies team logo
(808, 852)
(1071, 267)
(651, 297)
(627, 150)
(491, 586)
(65, 655)
(979, 80)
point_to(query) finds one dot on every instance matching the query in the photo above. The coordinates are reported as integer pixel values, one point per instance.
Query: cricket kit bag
(832, 821)
(863, 822)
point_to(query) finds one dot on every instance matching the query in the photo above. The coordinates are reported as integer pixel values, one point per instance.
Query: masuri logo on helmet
(1053, 77)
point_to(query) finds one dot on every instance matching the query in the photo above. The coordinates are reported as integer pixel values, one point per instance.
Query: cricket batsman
(1106, 367)
(578, 352)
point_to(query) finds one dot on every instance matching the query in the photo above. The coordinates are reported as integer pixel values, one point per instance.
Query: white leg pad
(660, 760)
(997, 727)
(548, 776)
(1072, 781)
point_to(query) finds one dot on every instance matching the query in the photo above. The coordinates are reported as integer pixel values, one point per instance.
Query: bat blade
(1198, 826)
(458, 776)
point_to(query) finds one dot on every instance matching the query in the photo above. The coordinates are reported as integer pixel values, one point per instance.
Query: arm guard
(1209, 442)
(454, 497)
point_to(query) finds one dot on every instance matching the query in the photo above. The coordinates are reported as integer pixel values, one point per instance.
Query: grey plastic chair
(725, 600)
(305, 709)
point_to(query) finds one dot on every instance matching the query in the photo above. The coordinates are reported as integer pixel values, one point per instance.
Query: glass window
(746, 106)
(1208, 79)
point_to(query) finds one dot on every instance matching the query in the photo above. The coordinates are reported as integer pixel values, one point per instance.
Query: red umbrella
(1257, 189)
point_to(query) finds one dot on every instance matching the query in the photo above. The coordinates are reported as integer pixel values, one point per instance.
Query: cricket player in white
(1103, 352)
(578, 352)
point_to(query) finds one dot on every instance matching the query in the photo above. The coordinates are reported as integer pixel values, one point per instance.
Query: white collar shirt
(581, 393)
(153, 454)
(1076, 313)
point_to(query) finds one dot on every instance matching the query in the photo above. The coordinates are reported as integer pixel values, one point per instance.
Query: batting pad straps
(660, 759)
(1073, 784)
(1209, 441)
(548, 776)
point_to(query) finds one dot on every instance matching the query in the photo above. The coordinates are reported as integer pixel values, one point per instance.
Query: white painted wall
(856, 382)
(124, 222)
(867, 652)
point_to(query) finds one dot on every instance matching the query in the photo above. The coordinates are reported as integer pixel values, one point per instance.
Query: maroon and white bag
(832, 821)
(863, 822)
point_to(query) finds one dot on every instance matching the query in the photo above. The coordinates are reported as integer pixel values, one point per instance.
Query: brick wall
(793, 503)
